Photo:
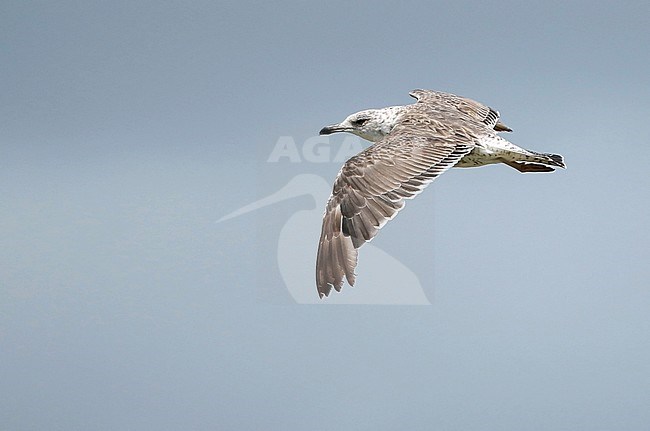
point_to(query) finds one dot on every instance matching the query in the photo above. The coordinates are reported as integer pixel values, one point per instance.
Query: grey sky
(129, 128)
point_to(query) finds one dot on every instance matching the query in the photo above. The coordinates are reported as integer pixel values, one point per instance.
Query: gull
(412, 145)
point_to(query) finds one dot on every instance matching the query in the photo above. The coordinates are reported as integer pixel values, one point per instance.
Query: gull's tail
(537, 162)
(549, 159)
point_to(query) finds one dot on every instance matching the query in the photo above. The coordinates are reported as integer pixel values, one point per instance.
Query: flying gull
(412, 145)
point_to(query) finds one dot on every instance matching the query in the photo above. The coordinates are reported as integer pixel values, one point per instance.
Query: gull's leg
(528, 167)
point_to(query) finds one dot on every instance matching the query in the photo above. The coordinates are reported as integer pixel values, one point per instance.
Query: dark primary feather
(373, 185)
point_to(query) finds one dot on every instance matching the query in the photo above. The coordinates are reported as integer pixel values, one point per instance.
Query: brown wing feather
(477, 110)
(372, 187)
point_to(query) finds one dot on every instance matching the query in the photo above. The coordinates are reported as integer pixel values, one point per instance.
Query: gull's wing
(476, 110)
(373, 185)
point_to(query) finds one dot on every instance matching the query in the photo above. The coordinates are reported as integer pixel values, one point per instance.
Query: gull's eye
(360, 121)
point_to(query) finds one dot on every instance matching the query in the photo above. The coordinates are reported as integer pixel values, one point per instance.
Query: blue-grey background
(129, 127)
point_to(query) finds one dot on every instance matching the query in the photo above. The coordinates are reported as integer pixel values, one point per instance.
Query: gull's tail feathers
(538, 162)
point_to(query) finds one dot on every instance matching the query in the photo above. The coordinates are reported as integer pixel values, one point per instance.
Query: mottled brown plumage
(474, 109)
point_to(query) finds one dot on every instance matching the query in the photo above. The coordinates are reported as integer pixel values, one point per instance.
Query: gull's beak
(328, 130)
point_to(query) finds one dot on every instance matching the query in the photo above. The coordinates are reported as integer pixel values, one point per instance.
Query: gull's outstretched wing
(472, 108)
(373, 185)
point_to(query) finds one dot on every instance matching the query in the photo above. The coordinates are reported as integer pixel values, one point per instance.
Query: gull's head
(371, 124)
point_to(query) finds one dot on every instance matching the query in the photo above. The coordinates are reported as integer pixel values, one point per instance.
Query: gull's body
(412, 145)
